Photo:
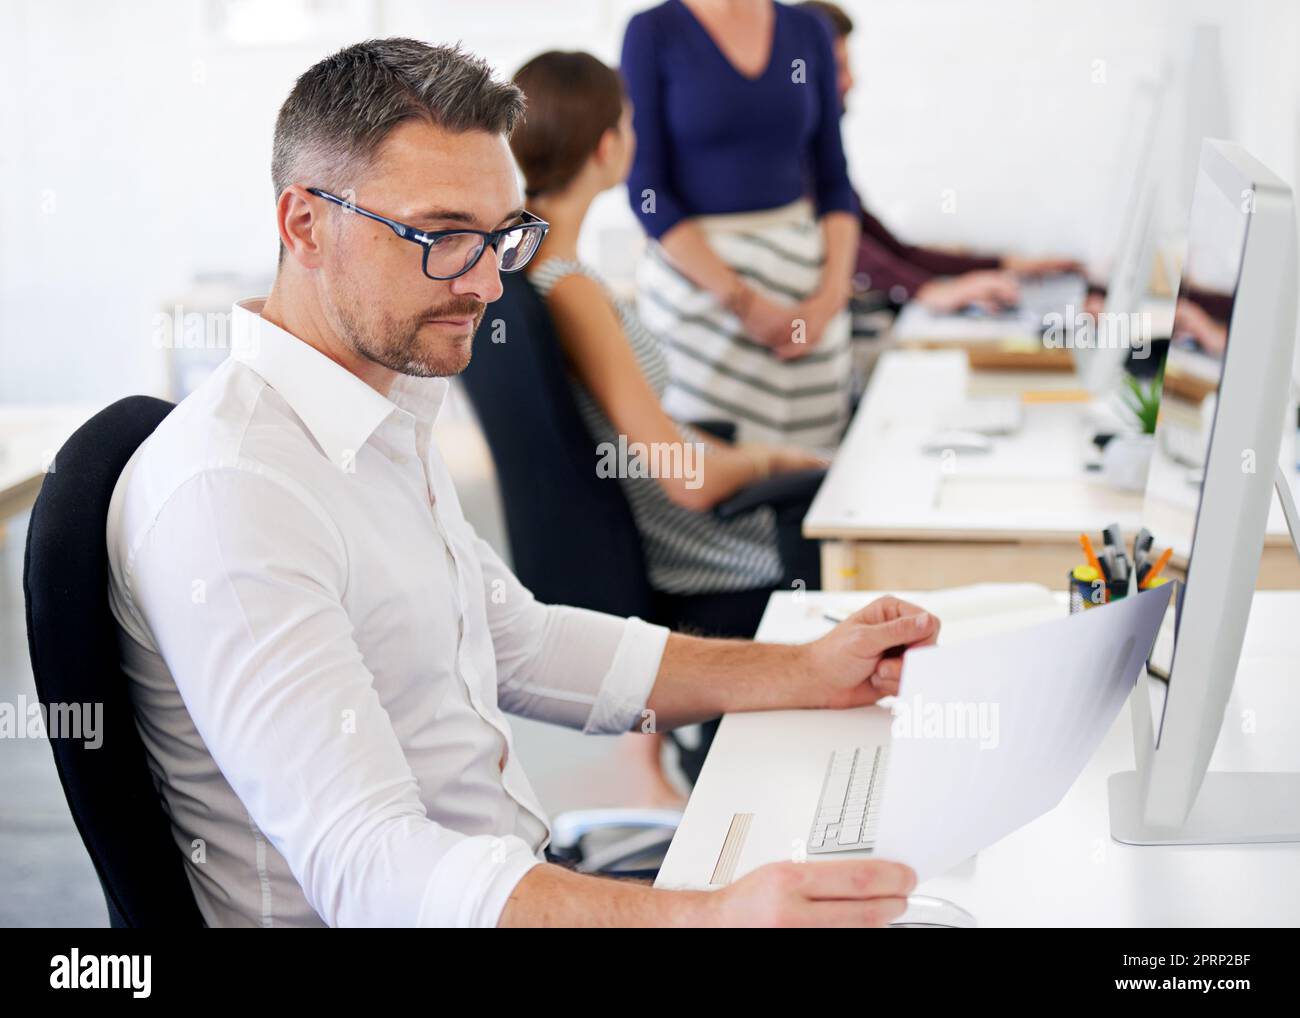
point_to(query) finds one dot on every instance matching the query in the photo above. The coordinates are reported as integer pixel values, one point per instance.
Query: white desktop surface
(881, 483)
(1059, 870)
(1033, 485)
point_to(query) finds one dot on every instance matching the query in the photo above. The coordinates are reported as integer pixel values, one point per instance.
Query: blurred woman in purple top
(739, 180)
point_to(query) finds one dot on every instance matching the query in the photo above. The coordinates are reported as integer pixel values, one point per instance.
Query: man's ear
(300, 218)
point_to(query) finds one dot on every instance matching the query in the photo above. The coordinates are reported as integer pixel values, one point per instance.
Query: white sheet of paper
(991, 733)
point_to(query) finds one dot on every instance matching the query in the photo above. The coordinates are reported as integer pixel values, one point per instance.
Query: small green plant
(1142, 400)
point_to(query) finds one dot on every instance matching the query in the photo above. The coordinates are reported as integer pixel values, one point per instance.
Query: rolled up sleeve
(239, 579)
(569, 666)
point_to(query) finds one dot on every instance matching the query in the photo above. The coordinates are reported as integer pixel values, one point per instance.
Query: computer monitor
(1131, 268)
(1119, 327)
(1207, 498)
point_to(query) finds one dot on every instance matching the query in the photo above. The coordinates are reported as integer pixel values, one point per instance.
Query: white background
(137, 137)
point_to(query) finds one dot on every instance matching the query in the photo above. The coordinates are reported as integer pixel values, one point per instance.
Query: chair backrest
(572, 536)
(72, 638)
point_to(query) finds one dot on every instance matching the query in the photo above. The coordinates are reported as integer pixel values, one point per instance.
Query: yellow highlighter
(1086, 544)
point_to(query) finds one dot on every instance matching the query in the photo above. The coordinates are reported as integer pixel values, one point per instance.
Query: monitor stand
(1282, 485)
(1231, 808)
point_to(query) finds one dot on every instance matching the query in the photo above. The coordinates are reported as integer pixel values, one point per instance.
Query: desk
(1059, 870)
(29, 438)
(892, 516)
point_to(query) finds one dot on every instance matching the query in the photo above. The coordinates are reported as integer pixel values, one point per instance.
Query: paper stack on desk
(991, 733)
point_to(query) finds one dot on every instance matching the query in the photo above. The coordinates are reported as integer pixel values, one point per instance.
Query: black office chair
(72, 638)
(572, 536)
(571, 533)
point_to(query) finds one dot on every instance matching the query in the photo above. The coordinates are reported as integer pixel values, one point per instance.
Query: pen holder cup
(1085, 594)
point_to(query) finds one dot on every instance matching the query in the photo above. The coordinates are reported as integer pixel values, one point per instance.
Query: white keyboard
(849, 807)
(985, 416)
(1045, 295)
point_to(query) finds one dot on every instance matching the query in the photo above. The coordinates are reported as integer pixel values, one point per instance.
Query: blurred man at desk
(322, 651)
(940, 280)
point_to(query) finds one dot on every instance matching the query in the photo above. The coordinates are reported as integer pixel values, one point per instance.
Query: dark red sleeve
(1217, 305)
(887, 262)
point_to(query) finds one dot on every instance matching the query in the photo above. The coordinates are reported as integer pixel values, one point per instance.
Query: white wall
(136, 147)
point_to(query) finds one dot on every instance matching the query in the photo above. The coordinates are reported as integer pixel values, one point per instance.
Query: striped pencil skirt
(716, 372)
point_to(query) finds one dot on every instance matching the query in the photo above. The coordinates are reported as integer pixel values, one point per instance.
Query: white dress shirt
(321, 650)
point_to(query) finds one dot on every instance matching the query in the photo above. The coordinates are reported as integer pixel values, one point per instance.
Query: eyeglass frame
(426, 238)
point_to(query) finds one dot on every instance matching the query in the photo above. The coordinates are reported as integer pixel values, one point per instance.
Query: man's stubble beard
(399, 347)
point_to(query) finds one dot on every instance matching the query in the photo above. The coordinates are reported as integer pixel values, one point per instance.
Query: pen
(1115, 539)
(1118, 585)
(1154, 571)
(1141, 545)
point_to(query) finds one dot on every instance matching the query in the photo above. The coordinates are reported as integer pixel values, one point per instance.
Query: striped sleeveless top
(687, 552)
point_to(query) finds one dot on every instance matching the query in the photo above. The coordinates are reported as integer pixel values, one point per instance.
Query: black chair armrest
(798, 486)
(724, 430)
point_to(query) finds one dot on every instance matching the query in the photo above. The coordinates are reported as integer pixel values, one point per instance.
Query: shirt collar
(338, 408)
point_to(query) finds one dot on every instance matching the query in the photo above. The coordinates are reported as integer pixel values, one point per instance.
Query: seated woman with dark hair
(575, 142)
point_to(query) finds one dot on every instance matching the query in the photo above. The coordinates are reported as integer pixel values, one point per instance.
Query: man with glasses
(322, 652)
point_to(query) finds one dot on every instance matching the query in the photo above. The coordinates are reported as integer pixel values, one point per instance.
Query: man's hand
(853, 665)
(990, 289)
(861, 659)
(855, 892)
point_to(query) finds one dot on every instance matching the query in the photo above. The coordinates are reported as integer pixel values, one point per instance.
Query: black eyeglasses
(452, 253)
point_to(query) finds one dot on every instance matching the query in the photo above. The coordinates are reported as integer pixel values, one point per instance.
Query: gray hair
(342, 108)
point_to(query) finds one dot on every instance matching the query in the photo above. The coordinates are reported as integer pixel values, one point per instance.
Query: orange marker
(1154, 571)
(1086, 544)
